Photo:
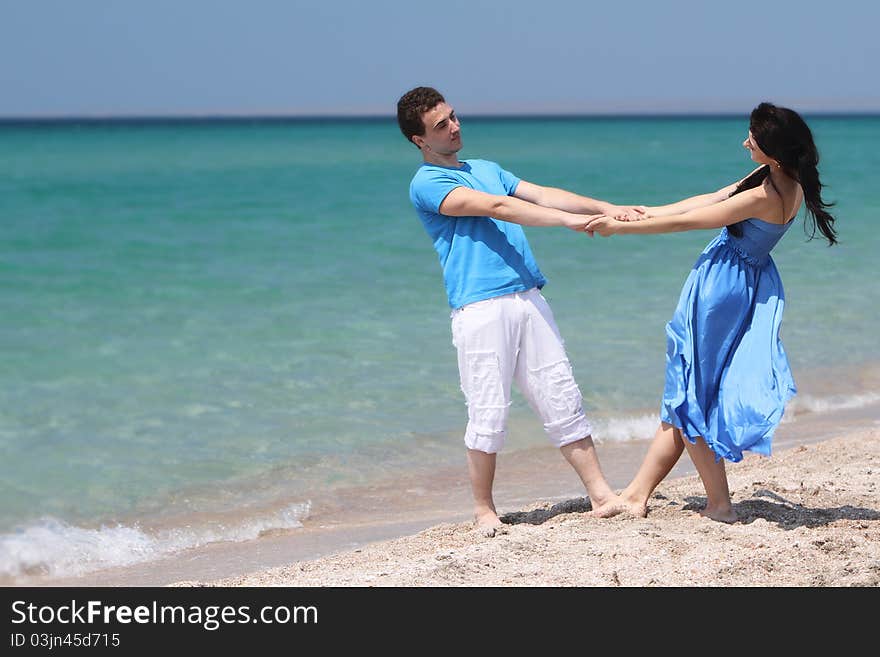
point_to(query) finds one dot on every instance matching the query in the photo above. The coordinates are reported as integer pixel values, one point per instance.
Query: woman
(727, 375)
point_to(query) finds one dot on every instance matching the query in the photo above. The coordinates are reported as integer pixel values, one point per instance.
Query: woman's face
(757, 154)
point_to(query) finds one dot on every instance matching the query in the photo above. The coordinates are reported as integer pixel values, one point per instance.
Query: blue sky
(299, 57)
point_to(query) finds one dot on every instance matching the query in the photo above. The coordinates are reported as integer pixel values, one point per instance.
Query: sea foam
(55, 548)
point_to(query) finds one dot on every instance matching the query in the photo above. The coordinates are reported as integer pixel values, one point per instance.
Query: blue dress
(727, 375)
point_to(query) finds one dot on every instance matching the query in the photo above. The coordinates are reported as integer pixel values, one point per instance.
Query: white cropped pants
(514, 337)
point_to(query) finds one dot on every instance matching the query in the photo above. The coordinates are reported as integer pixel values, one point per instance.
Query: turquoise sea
(209, 327)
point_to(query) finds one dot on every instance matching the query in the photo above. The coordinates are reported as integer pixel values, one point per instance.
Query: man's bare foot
(724, 514)
(617, 504)
(491, 531)
(488, 524)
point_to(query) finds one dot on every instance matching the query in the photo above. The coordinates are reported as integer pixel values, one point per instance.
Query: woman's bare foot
(724, 514)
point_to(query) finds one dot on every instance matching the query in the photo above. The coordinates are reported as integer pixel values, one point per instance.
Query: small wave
(642, 427)
(620, 429)
(53, 547)
(808, 404)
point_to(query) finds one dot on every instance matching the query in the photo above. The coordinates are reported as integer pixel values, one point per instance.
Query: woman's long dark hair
(783, 135)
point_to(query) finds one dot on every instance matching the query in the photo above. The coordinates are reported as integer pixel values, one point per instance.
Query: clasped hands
(605, 223)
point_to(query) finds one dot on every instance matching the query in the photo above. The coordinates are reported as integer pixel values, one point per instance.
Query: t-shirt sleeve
(509, 181)
(429, 190)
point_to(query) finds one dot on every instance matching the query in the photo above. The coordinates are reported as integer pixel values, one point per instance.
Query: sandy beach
(809, 516)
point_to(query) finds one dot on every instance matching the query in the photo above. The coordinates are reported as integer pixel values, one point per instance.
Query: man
(502, 327)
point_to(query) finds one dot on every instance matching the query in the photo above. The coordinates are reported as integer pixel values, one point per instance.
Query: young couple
(727, 376)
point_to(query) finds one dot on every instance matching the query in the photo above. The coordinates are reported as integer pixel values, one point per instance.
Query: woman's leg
(663, 454)
(714, 476)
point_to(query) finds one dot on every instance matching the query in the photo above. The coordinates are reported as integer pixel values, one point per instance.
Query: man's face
(442, 131)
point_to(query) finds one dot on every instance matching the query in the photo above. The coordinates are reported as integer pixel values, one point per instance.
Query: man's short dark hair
(412, 105)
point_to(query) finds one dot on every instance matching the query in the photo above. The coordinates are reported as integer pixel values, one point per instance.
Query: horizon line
(336, 117)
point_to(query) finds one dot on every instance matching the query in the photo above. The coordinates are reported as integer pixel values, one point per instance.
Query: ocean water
(209, 327)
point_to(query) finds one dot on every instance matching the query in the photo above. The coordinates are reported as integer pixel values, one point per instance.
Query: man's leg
(544, 375)
(481, 467)
(485, 335)
(582, 456)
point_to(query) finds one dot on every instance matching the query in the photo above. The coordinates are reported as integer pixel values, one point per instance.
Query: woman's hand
(626, 212)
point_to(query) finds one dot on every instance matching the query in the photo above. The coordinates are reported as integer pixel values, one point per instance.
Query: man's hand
(602, 224)
(579, 223)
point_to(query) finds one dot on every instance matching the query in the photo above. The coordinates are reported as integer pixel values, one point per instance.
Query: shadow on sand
(764, 503)
(540, 516)
(785, 513)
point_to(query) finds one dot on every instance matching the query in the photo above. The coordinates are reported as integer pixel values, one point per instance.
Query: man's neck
(450, 160)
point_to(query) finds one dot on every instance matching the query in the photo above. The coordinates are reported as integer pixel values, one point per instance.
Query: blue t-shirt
(481, 257)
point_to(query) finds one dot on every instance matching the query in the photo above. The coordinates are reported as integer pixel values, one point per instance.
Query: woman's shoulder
(767, 203)
(761, 197)
(783, 204)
